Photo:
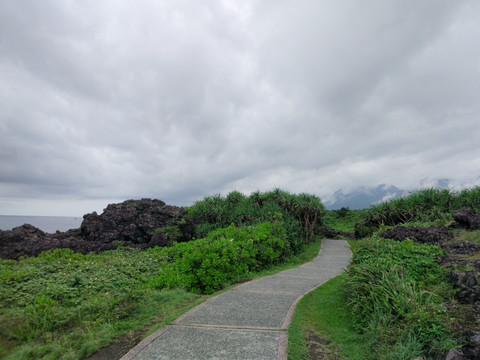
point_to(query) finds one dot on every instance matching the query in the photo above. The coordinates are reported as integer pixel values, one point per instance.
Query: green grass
(388, 305)
(472, 236)
(63, 305)
(324, 313)
(397, 293)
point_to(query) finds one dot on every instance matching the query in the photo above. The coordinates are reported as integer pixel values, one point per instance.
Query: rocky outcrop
(429, 235)
(472, 348)
(467, 219)
(27, 241)
(134, 223)
(462, 248)
(452, 354)
(468, 284)
(459, 255)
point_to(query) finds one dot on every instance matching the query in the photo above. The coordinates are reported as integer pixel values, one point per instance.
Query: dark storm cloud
(177, 100)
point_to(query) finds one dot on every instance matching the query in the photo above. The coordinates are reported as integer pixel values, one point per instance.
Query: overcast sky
(103, 101)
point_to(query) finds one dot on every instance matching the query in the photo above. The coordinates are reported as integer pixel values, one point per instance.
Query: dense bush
(301, 215)
(226, 254)
(397, 291)
(424, 205)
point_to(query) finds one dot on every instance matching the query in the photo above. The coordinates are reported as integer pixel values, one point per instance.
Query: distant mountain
(362, 197)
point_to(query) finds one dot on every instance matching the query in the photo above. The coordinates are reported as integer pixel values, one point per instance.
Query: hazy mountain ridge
(362, 197)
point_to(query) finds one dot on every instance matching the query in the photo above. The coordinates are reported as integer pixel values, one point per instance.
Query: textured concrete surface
(205, 343)
(247, 322)
(243, 309)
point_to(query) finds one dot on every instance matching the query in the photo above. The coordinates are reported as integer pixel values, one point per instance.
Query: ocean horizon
(49, 224)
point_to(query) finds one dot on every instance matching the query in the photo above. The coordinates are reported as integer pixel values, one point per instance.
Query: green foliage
(300, 214)
(64, 300)
(343, 221)
(226, 254)
(342, 212)
(63, 304)
(468, 198)
(425, 205)
(362, 230)
(172, 232)
(397, 291)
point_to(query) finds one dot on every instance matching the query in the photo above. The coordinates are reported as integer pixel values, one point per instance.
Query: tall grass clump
(397, 291)
(300, 214)
(425, 205)
(468, 198)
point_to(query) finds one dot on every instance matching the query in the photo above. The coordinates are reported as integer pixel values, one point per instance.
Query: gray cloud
(177, 100)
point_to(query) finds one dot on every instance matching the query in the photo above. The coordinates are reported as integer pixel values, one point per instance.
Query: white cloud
(178, 100)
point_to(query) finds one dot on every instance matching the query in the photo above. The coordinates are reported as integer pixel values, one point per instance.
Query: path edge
(282, 348)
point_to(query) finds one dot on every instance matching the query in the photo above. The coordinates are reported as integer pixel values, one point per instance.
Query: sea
(49, 224)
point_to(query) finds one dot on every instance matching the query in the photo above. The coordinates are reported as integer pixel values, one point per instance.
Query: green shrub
(342, 212)
(362, 230)
(301, 214)
(226, 254)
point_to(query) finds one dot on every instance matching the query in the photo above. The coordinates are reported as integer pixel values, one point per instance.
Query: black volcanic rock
(468, 284)
(134, 223)
(27, 240)
(429, 235)
(463, 248)
(467, 219)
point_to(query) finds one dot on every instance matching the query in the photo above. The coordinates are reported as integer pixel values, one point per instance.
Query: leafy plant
(205, 265)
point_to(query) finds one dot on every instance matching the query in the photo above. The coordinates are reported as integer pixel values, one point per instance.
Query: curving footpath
(248, 322)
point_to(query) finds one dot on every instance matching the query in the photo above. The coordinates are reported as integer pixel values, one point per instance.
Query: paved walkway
(247, 322)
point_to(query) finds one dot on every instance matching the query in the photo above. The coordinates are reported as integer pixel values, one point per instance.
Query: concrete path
(248, 322)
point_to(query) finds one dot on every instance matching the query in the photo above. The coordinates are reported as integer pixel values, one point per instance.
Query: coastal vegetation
(427, 206)
(397, 300)
(65, 305)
